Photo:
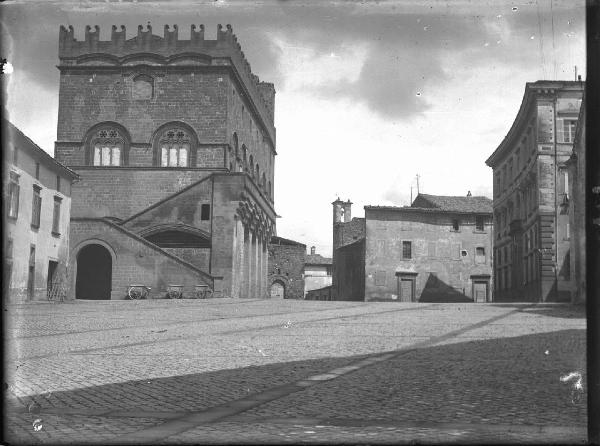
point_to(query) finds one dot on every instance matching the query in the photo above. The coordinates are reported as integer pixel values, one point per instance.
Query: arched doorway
(277, 290)
(94, 273)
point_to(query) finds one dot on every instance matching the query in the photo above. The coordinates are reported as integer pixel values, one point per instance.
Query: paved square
(239, 371)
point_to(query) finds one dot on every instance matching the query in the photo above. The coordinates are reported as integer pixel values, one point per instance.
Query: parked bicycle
(135, 292)
(203, 292)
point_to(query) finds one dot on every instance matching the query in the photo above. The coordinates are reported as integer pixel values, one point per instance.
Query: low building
(286, 267)
(531, 240)
(317, 271)
(37, 212)
(319, 294)
(436, 250)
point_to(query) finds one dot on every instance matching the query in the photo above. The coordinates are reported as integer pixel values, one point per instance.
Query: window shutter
(455, 251)
(560, 130)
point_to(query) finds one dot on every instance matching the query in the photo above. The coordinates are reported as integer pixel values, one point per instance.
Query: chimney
(469, 194)
(312, 250)
(347, 211)
(338, 211)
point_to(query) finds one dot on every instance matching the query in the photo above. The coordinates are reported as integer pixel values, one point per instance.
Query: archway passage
(94, 273)
(277, 290)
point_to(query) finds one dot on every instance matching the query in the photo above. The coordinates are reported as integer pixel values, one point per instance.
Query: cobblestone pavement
(260, 371)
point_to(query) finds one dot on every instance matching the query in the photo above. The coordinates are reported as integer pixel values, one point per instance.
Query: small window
(569, 127)
(36, 207)
(480, 254)
(463, 252)
(9, 249)
(37, 171)
(407, 250)
(13, 200)
(56, 216)
(205, 212)
(479, 221)
(455, 225)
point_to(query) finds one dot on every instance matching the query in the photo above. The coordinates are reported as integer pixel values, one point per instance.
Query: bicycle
(136, 292)
(203, 292)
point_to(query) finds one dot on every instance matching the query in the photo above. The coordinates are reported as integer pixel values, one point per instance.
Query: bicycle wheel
(134, 293)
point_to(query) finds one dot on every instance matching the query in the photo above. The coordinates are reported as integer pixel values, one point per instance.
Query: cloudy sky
(369, 94)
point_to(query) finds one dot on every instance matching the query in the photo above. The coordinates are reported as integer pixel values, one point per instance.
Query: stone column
(259, 269)
(265, 264)
(250, 264)
(254, 262)
(263, 269)
(238, 271)
(246, 262)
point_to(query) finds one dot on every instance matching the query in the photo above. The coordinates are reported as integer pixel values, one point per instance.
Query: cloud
(407, 43)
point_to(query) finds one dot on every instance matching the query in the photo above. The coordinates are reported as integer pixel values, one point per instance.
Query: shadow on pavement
(563, 311)
(502, 380)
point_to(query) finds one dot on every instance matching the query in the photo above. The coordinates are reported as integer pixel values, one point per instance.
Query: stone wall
(286, 265)
(443, 259)
(134, 261)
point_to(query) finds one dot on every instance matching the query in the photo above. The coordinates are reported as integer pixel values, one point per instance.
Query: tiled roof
(276, 240)
(453, 203)
(9, 129)
(317, 259)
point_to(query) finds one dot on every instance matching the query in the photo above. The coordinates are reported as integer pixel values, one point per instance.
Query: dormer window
(174, 148)
(107, 148)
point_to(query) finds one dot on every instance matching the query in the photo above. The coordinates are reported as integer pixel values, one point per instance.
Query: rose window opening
(108, 148)
(175, 148)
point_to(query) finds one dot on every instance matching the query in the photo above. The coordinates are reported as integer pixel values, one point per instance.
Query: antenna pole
(418, 190)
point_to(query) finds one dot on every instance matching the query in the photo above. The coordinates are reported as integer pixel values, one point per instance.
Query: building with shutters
(436, 250)
(532, 248)
(575, 204)
(174, 141)
(37, 198)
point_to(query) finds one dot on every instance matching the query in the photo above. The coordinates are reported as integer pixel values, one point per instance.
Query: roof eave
(525, 104)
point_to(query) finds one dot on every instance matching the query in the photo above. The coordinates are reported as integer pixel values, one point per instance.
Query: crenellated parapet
(165, 51)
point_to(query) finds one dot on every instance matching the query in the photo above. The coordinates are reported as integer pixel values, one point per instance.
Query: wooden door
(480, 291)
(277, 290)
(407, 290)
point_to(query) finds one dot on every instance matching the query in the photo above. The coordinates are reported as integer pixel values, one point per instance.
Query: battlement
(119, 49)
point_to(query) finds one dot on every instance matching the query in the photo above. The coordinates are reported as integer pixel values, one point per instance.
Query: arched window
(251, 166)
(175, 147)
(107, 147)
